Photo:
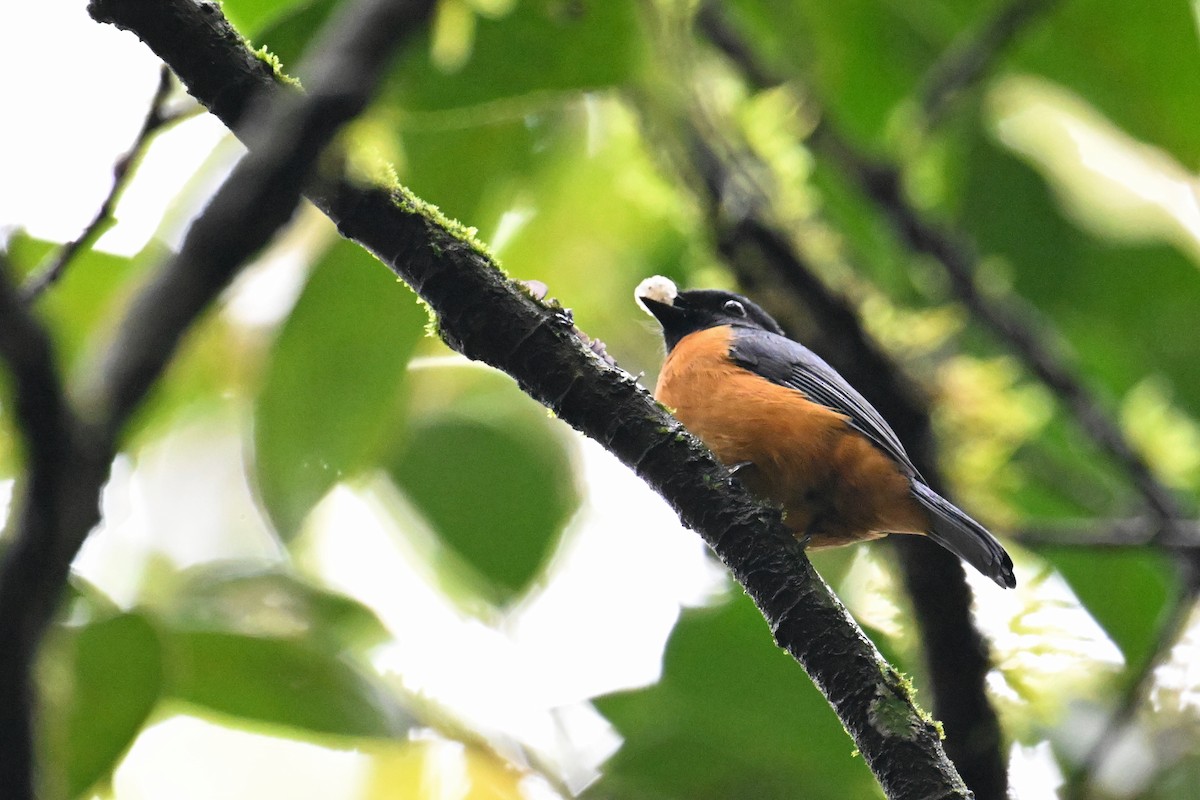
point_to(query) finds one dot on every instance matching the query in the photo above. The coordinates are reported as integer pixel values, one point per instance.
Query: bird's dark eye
(734, 309)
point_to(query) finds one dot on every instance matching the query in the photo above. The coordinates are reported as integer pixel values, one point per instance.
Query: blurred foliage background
(338, 561)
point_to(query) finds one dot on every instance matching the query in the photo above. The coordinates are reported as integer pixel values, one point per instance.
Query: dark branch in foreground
(58, 492)
(56, 265)
(69, 461)
(487, 317)
(770, 266)
(258, 198)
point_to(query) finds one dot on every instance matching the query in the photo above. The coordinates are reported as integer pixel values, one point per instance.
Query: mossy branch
(486, 316)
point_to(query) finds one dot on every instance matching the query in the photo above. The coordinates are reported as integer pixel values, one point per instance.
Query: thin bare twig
(56, 264)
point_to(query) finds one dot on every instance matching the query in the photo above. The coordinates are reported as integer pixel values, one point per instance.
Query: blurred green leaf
(288, 33)
(79, 311)
(101, 680)
(251, 16)
(869, 240)
(245, 598)
(601, 218)
(498, 491)
(1097, 293)
(1169, 438)
(333, 382)
(506, 155)
(82, 307)
(733, 716)
(1129, 62)
(1132, 615)
(1063, 478)
(863, 57)
(216, 367)
(289, 682)
(540, 46)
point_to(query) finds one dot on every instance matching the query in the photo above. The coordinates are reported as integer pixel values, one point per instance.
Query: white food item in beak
(656, 288)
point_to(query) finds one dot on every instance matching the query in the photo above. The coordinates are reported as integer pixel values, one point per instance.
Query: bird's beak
(665, 313)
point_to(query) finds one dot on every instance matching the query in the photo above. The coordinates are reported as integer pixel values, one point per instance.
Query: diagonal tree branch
(487, 317)
(69, 460)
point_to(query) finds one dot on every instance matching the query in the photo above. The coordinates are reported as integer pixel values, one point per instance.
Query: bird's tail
(965, 537)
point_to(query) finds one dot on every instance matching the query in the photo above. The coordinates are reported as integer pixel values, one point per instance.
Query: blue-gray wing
(788, 363)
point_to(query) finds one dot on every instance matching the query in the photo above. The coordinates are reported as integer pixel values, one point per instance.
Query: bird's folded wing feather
(788, 363)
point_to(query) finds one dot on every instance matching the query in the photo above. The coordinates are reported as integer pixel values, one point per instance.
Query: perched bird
(796, 432)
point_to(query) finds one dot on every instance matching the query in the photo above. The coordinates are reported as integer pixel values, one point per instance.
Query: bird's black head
(681, 313)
